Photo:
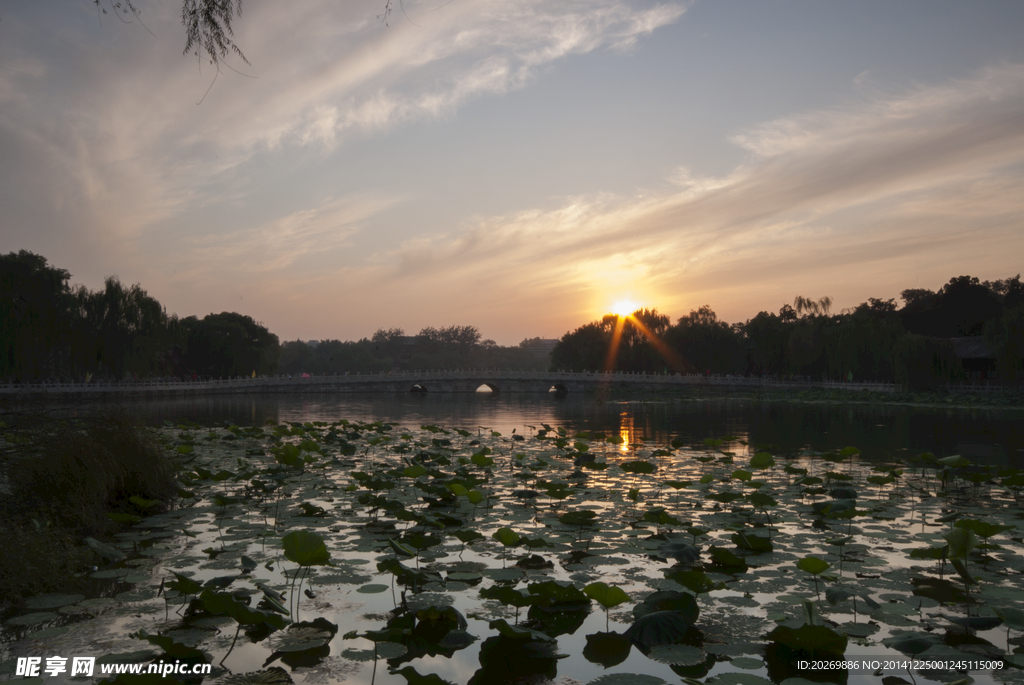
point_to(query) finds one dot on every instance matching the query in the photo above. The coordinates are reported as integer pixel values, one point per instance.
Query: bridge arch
(418, 389)
(487, 387)
(558, 389)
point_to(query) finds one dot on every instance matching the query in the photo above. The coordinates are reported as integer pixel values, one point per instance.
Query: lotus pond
(373, 553)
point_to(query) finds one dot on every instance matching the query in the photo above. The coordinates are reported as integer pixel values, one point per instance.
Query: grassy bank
(63, 481)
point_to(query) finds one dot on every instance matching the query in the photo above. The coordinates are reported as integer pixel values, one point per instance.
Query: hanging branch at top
(208, 28)
(207, 24)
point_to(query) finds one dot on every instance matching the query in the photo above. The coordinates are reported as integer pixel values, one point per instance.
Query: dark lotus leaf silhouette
(682, 552)
(658, 628)
(607, 649)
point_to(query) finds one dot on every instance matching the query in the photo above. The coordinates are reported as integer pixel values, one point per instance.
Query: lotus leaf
(518, 632)
(809, 638)
(305, 548)
(658, 628)
(170, 646)
(508, 596)
(554, 595)
(669, 600)
(681, 551)
(506, 536)
(639, 466)
(812, 565)
(983, 529)
(607, 649)
(752, 542)
(727, 560)
(911, 643)
(627, 679)
(606, 595)
(697, 581)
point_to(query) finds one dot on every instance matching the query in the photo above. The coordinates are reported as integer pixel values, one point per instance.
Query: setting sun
(624, 307)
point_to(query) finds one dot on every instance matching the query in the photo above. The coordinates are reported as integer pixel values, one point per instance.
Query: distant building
(977, 360)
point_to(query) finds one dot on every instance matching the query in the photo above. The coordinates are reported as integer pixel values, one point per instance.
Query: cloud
(305, 240)
(922, 178)
(108, 113)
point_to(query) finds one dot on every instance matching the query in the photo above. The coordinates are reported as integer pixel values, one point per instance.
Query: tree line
(878, 340)
(50, 329)
(450, 347)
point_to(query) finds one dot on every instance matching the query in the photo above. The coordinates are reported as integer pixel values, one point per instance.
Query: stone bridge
(502, 381)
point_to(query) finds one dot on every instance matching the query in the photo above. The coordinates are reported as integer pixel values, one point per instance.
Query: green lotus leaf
(725, 558)
(697, 581)
(982, 529)
(606, 595)
(506, 536)
(305, 548)
(812, 565)
(751, 542)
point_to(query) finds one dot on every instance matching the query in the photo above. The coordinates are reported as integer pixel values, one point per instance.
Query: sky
(518, 166)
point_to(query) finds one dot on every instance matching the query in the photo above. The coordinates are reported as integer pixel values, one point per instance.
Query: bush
(39, 559)
(63, 478)
(80, 471)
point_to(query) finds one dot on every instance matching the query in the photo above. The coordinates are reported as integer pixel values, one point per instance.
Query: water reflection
(881, 432)
(626, 431)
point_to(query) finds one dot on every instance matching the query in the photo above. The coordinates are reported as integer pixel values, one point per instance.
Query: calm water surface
(994, 436)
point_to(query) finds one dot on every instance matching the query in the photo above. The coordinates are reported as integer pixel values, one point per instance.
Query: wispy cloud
(883, 188)
(304, 240)
(111, 114)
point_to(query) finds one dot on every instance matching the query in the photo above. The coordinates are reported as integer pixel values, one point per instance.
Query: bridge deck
(427, 381)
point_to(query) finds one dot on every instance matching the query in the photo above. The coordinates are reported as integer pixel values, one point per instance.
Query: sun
(624, 307)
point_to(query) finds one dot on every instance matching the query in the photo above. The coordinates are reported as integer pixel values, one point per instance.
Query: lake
(992, 436)
(432, 535)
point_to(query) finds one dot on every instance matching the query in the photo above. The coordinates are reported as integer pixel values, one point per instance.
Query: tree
(584, 349)
(962, 307)
(386, 336)
(767, 336)
(1005, 338)
(706, 343)
(36, 317)
(129, 331)
(230, 344)
(461, 337)
(807, 306)
(860, 344)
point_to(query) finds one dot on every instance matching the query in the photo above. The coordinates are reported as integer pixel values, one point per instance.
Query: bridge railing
(412, 377)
